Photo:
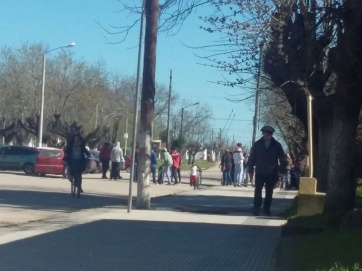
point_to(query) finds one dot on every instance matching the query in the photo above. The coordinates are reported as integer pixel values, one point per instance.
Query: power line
(234, 119)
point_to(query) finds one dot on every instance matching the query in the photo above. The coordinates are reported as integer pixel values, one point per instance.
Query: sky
(56, 23)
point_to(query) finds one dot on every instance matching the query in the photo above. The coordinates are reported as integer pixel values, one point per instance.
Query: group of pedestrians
(113, 156)
(171, 168)
(233, 166)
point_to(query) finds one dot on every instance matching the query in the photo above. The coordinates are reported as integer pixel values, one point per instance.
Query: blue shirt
(153, 158)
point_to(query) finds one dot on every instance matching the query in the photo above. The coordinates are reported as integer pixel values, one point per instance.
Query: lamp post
(182, 119)
(41, 122)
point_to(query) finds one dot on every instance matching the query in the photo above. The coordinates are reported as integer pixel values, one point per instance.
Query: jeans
(245, 176)
(286, 179)
(179, 174)
(174, 174)
(153, 171)
(238, 174)
(269, 182)
(226, 177)
(166, 173)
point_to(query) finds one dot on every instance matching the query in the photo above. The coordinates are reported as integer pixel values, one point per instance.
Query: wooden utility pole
(169, 112)
(257, 94)
(147, 105)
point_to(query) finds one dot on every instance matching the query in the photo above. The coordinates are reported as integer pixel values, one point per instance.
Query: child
(193, 174)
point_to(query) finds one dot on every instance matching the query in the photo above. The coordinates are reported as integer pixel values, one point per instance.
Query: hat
(267, 129)
(239, 144)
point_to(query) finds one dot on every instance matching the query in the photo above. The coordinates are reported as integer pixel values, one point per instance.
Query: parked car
(127, 163)
(18, 158)
(49, 161)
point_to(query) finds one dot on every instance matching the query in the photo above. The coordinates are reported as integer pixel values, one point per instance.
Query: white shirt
(193, 171)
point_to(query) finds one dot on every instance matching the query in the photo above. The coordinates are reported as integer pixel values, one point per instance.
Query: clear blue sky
(57, 23)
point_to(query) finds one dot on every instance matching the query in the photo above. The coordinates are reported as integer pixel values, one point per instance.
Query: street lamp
(182, 119)
(40, 137)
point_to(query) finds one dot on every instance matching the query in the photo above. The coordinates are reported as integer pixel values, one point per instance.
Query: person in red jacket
(105, 157)
(176, 158)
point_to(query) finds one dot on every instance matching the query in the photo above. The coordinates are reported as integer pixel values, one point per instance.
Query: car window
(23, 151)
(4, 151)
(7, 151)
(51, 154)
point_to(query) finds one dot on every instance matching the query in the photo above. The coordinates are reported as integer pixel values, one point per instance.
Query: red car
(49, 161)
(127, 163)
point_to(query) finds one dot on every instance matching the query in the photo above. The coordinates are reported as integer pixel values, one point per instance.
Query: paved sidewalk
(106, 237)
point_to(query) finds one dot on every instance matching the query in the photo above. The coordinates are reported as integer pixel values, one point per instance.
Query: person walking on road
(153, 164)
(167, 162)
(176, 160)
(267, 155)
(226, 167)
(116, 158)
(105, 158)
(239, 164)
(76, 158)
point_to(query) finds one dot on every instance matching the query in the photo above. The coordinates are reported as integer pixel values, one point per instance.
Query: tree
(147, 104)
(312, 47)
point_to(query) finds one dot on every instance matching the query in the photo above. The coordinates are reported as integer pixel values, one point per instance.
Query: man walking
(167, 162)
(153, 164)
(105, 157)
(116, 158)
(226, 164)
(265, 155)
(176, 159)
(239, 165)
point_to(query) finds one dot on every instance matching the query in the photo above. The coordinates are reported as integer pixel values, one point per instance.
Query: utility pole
(96, 122)
(256, 111)
(136, 105)
(126, 137)
(169, 112)
(147, 105)
(212, 139)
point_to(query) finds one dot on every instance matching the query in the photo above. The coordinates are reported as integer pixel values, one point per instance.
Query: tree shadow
(42, 200)
(145, 245)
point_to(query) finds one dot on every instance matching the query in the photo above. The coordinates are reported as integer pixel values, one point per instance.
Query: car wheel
(42, 174)
(128, 169)
(28, 168)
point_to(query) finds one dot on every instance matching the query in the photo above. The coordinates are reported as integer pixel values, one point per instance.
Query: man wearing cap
(266, 156)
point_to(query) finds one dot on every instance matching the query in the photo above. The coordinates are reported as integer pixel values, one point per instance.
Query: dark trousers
(179, 174)
(153, 171)
(115, 170)
(76, 171)
(105, 167)
(269, 182)
(174, 174)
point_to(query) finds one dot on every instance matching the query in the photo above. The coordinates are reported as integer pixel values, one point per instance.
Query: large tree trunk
(147, 105)
(325, 130)
(341, 158)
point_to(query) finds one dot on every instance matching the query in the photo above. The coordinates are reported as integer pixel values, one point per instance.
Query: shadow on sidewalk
(145, 245)
(41, 200)
(213, 204)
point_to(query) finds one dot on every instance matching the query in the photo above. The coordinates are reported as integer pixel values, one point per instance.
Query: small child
(193, 174)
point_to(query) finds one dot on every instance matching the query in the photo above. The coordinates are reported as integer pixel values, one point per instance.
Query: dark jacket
(226, 161)
(69, 154)
(265, 159)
